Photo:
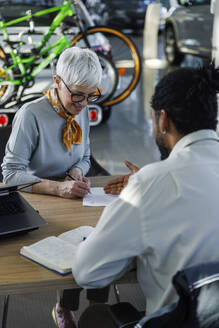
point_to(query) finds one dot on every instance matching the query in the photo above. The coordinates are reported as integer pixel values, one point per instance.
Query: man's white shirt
(167, 218)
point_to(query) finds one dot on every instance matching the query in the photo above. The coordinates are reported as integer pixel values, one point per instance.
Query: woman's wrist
(48, 187)
(76, 171)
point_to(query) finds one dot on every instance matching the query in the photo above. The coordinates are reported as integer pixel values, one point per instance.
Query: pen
(73, 178)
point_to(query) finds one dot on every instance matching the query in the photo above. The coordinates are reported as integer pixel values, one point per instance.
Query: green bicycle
(117, 53)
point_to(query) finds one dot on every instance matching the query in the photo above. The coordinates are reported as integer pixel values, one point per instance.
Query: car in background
(122, 14)
(188, 30)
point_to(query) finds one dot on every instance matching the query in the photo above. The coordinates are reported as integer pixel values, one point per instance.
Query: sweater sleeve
(20, 147)
(84, 164)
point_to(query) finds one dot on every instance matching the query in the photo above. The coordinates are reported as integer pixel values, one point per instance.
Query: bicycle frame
(18, 69)
(52, 51)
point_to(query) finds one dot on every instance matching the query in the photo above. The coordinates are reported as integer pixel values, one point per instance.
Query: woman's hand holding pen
(116, 185)
(72, 189)
(75, 173)
(74, 185)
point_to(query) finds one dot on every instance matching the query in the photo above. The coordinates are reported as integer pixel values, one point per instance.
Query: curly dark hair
(189, 96)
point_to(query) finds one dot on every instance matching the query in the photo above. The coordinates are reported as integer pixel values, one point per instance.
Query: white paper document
(97, 197)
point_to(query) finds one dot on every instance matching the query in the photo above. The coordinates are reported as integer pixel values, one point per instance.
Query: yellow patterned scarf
(72, 131)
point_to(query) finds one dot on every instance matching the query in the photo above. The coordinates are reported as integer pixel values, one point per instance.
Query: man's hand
(116, 185)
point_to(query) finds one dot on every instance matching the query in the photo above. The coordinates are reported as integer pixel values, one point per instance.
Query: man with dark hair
(167, 216)
(191, 104)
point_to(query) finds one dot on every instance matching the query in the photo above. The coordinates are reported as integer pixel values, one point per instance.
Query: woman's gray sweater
(35, 147)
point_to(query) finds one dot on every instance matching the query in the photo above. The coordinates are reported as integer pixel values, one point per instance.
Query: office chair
(4, 135)
(96, 169)
(197, 305)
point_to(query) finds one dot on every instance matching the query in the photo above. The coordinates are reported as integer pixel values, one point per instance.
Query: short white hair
(81, 67)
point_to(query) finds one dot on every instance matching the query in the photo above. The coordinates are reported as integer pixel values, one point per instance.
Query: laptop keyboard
(10, 204)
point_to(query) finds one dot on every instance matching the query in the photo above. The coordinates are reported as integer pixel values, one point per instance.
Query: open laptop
(16, 214)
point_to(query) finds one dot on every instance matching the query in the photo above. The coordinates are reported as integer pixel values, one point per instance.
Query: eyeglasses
(76, 98)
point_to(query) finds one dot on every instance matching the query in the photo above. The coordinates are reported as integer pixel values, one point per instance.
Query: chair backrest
(4, 136)
(197, 307)
(96, 168)
(198, 304)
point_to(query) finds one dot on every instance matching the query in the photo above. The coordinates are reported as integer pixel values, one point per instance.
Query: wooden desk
(19, 275)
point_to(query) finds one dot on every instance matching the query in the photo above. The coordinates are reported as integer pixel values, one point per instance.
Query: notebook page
(52, 252)
(77, 235)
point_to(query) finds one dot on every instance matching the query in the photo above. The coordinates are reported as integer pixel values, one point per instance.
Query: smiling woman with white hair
(50, 135)
(50, 142)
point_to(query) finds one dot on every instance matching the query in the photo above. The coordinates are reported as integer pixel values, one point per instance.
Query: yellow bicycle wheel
(115, 45)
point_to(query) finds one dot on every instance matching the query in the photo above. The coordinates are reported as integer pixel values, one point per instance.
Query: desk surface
(19, 275)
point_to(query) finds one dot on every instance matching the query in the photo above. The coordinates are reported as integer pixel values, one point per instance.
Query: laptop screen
(7, 188)
(16, 214)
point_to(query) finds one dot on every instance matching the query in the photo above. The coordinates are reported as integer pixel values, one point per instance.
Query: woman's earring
(164, 131)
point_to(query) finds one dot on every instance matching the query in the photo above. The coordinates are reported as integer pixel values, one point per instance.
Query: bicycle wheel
(7, 89)
(122, 51)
